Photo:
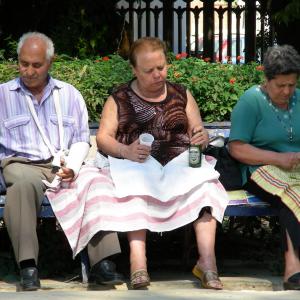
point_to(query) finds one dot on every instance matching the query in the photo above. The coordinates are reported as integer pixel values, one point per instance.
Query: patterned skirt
(281, 183)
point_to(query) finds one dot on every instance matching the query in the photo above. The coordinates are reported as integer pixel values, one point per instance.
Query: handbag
(2, 183)
(226, 165)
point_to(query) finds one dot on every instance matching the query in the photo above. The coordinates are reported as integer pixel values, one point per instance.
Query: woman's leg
(139, 277)
(137, 245)
(290, 229)
(291, 256)
(205, 230)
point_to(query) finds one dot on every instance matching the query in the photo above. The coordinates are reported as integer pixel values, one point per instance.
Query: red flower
(183, 55)
(239, 58)
(207, 59)
(232, 80)
(178, 56)
(97, 60)
(105, 58)
(260, 68)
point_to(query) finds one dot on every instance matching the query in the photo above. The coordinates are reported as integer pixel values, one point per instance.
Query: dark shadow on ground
(244, 243)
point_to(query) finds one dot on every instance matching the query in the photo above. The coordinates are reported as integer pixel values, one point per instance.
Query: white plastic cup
(146, 139)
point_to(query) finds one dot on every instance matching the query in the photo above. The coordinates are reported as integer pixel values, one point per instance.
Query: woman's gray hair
(281, 60)
(43, 37)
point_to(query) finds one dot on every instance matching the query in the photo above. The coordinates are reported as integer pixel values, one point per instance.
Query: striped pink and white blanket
(89, 204)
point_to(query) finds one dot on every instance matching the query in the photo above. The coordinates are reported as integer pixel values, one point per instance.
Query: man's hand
(65, 174)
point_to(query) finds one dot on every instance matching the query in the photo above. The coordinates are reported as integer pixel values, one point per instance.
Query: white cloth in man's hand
(76, 156)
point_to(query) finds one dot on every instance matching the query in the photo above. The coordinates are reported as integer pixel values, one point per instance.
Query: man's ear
(53, 59)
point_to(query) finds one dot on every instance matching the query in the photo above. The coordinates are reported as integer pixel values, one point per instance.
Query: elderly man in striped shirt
(41, 119)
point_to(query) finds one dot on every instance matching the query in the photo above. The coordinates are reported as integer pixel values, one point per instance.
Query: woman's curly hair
(281, 60)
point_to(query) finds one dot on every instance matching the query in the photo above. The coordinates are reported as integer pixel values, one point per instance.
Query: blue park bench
(241, 203)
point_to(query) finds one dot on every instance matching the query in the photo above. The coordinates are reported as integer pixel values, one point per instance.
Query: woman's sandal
(293, 283)
(139, 279)
(209, 279)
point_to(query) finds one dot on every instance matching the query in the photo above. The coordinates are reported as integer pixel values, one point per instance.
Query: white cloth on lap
(152, 179)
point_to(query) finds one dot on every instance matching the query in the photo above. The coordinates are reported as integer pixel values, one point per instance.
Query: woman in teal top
(265, 130)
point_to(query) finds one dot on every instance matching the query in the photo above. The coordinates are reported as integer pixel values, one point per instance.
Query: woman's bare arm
(198, 134)
(252, 155)
(106, 136)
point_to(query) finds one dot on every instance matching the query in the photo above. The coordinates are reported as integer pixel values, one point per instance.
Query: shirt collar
(17, 84)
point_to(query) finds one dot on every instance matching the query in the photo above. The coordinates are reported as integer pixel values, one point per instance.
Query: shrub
(215, 86)
(93, 78)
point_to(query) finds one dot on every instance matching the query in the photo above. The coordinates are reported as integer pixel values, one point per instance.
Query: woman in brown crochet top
(151, 104)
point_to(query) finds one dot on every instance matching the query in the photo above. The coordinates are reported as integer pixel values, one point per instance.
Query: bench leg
(85, 265)
(188, 244)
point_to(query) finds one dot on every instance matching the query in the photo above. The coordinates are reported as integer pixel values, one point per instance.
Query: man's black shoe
(29, 279)
(104, 272)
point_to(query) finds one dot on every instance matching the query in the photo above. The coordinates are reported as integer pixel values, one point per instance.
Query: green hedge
(216, 87)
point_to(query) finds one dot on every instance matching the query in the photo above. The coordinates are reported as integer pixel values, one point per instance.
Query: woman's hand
(289, 160)
(199, 136)
(136, 152)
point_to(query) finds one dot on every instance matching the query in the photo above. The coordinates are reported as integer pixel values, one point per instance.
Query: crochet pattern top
(165, 120)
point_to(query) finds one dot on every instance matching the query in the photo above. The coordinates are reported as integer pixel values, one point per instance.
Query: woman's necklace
(286, 119)
(157, 97)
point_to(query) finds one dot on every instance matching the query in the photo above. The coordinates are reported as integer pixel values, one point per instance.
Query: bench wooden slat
(248, 210)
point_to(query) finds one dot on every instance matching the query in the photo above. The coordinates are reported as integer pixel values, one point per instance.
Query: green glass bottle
(195, 156)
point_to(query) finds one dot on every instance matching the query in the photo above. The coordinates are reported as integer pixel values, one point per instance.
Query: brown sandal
(139, 279)
(209, 279)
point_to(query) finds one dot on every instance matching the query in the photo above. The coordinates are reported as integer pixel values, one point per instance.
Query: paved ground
(235, 288)
(178, 294)
(166, 286)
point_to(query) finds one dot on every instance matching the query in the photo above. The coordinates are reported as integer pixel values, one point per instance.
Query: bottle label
(194, 156)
